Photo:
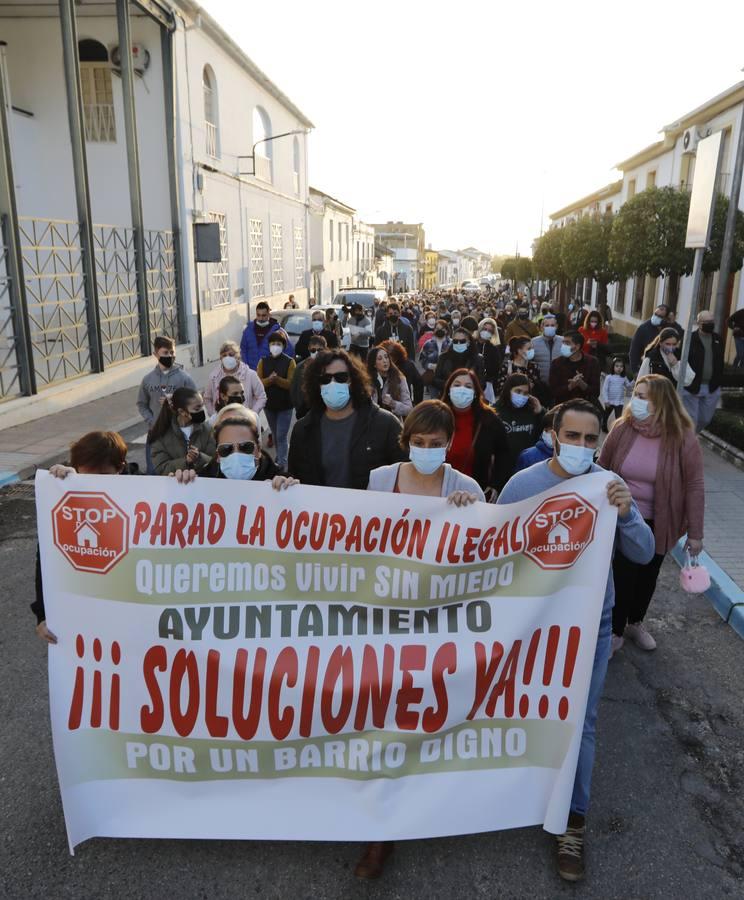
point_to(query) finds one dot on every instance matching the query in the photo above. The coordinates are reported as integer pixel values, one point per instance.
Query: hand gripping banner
(316, 664)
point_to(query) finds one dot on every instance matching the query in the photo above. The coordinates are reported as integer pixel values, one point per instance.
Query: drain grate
(22, 490)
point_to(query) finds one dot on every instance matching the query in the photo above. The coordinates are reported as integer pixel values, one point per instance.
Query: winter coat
(169, 451)
(255, 395)
(252, 349)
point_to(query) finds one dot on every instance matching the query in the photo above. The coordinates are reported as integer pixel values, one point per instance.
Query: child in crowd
(614, 390)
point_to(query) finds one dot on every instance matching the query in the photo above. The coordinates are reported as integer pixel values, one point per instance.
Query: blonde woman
(231, 364)
(654, 449)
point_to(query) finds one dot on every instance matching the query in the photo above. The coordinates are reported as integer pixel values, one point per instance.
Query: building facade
(113, 159)
(668, 162)
(407, 241)
(431, 269)
(448, 269)
(331, 238)
(365, 270)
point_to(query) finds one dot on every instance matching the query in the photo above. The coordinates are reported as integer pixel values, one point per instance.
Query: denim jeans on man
(702, 405)
(279, 422)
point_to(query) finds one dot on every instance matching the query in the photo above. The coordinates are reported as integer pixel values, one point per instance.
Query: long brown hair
(169, 411)
(663, 335)
(669, 412)
(394, 374)
(593, 314)
(360, 387)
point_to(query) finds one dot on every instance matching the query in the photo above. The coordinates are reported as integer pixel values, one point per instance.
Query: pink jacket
(255, 395)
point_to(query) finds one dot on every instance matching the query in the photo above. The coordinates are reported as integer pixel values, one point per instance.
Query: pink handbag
(693, 577)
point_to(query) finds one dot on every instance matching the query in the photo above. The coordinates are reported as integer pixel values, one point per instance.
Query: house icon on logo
(86, 535)
(559, 534)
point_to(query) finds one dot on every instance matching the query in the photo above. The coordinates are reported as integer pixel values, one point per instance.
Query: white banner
(235, 662)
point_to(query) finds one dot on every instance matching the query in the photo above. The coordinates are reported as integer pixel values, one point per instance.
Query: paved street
(667, 817)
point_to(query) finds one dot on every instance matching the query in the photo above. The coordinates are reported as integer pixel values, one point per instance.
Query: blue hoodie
(539, 453)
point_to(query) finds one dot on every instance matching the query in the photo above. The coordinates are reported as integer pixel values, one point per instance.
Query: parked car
(295, 321)
(365, 296)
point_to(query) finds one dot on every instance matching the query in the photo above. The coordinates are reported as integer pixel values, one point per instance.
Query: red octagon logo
(559, 530)
(91, 531)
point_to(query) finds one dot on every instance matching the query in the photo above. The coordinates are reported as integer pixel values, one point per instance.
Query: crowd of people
(483, 397)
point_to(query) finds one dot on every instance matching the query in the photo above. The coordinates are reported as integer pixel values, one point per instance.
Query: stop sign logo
(559, 530)
(91, 531)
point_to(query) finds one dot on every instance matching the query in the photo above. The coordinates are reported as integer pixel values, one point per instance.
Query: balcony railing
(263, 168)
(100, 123)
(211, 132)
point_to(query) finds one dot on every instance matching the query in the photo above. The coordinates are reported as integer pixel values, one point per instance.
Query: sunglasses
(340, 377)
(224, 450)
(460, 343)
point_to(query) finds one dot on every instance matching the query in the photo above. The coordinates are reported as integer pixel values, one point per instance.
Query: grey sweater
(383, 479)
(157, 383)
(632, 535)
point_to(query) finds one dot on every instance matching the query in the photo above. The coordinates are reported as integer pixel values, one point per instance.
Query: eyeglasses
(236, 398)
(340, 377)
(224, 450)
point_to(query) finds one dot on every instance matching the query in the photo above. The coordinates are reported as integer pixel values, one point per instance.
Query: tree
(525, 270)
(547, 260)
(585, 252)
(509, 268)
(712, 257)
(497, 262)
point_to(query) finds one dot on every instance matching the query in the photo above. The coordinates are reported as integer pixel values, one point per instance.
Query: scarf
(670, 517)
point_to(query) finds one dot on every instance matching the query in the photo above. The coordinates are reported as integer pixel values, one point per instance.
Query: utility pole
(727, 251)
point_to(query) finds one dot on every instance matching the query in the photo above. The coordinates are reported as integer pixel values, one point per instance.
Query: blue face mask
(566, 350)
(519, 400)
(460, 348)
(317, 325)
(426, 460)
(575, 460)
(461, 397)
(335, 395)
(238, 466)
(549, 330)
(530, 353)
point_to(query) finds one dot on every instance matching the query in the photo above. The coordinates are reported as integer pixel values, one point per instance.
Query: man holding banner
(576, 431)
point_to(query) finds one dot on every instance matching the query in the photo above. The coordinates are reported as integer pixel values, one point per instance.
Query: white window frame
(299, 256)
(277, 258)
(258, 287)
(219, 273)
(97, 92)
(211, 113)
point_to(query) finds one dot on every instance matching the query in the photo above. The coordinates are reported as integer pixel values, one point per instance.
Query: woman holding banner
(426, 437)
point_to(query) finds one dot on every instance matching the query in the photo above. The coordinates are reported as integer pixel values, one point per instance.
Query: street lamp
(273, 137)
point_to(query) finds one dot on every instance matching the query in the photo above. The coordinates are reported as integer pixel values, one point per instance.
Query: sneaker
(616, 644)
(640, 637)
(571, 849)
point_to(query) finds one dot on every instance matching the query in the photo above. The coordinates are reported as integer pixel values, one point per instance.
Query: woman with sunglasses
(181, 438)
(239, 456)
(462, 354)
(426, 437)
(344, 435)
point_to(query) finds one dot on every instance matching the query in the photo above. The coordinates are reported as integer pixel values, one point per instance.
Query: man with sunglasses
(344, 435)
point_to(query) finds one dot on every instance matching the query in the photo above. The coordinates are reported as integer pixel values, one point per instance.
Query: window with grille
(219, 273)
(98, 102)
(277, 258)
(299, 250)
(620, 296)
(211, 118)
(257, 258)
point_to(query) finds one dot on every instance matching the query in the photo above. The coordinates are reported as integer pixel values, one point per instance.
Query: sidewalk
(43, 442)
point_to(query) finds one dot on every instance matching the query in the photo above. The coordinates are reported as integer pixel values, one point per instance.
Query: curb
(724, 595)
(134, 424)
(723, 448)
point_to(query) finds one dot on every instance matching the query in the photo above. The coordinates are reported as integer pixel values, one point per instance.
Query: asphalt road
(667, 818)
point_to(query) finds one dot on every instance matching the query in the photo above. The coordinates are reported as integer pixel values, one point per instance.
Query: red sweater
(460, 454)
(600, 335)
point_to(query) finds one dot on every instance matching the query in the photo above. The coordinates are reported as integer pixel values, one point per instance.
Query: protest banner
(237, 662)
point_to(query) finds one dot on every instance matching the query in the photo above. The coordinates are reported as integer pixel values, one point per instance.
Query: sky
(477, 117)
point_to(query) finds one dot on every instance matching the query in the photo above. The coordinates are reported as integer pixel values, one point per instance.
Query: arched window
(211, 113)
(265, 150)
(296, 167)
(95, 86)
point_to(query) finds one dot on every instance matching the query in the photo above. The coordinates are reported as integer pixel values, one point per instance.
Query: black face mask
(440, 333)
(198, 417)
(166, 361)
(523, 313)
(708, 327)
(393, 319)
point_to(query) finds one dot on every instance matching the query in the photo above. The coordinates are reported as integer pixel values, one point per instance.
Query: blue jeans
(739, 361)
(585, 763)
(279, 422)
(702, 405)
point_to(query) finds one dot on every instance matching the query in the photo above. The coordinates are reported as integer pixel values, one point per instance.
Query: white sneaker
(616, 644)
(640, 637)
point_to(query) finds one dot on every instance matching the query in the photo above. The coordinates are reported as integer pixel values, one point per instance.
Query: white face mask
(485, 335)
(639, 408)
(276, 349)
(426, 460)
(575, 460)
(229, 363)
(431, 322)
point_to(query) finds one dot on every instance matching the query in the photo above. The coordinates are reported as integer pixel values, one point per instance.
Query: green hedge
(733, 402)
(729, 426)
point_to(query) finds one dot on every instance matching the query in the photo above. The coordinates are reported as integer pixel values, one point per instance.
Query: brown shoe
(373, 861)
(571, 849)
